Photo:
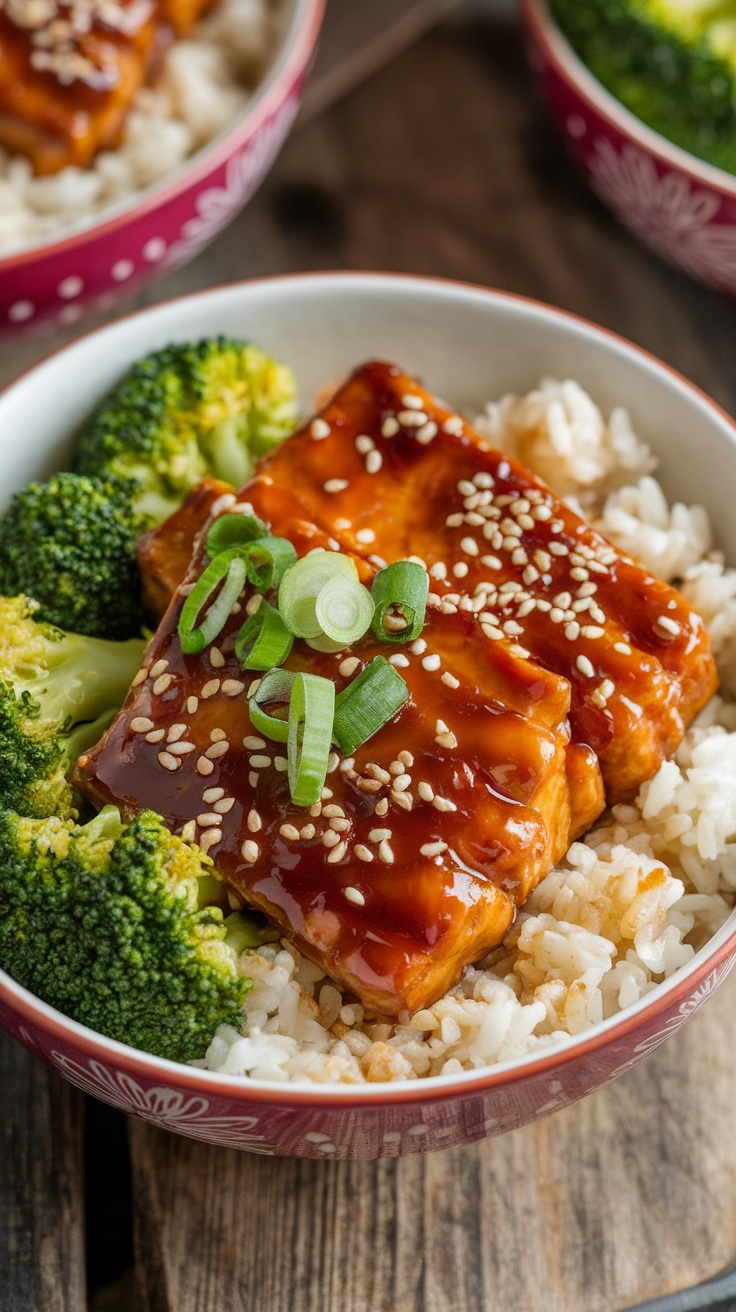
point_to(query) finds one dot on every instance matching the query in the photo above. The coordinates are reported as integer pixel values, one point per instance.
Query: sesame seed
(340, 826)
(669, 625)
(381, 806)
(558, 549)
(623, 648)
(254, 821)
(456, 520)
(449, 680)
(447, 740)
(259, 762)
(412, 418)
(453, 425)
(592, 631)
(607, 688)
(469, 546)
(431, 662)
(316, 810)
(373, 462)
(377, 772)
(465, 488)
(182, 748)
(519, 556)
(585, 666)
(530, 574)
(362, 852)
(319, 429)
(218, 736)
(281, 763)
(249, 851)
(579, 574)
(307, 832)
(213, 794)
(364, 443)
(224, 806)
(289, 832)
(335, 485)
(253, 779)
(217, 660)
(403, 800)
(443, 804)
(385, 852)
(365, 535)
(460, 570)
(216, 750)
(341, 524)
(140, 676)
(399, 660)
(209, 838)
(348, 666)
(141, 725)
(354, 895)
(192, 705)
(222, 503)
(426, 433)
(253, 604)
(155, 735)
(330, 838)
(253, 689)
(168, 761)
(572, 631)
(332, 811)
(207, 820)
(369, 785)
(402, 783)
(162, 684)
(337, 853)
(210, 688)
(189, 831)
(232, 687)
(412, 401)
(158, 668)
(390, 426)
(347, 765)
(253, 744)
(426, 791)
(433, 849)
(526, 522)
(333, 760)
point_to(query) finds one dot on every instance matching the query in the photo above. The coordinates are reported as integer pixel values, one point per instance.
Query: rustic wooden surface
(442, 163)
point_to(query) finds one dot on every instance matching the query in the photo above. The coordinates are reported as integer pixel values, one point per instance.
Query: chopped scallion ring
(264, 640)
(229, 569)
(344, 610)
(267, 560)
(302, 584)
(233, 531)
(311, 715)
(400, 596)
(274, 688)
(369, 702)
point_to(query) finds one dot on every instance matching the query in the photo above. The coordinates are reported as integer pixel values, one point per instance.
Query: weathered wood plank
(41, 1188)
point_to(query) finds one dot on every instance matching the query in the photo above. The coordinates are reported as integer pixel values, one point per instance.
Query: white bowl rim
(622, 118)
(293, 53)
(438, 1087)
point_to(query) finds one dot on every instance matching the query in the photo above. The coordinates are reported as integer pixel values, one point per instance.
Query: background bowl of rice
(195, 146)
(635, 929)
(682, 207)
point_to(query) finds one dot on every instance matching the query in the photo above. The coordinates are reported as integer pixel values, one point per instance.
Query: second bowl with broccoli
(645, 93)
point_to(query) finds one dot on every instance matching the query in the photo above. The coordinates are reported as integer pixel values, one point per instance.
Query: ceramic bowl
(682, 207)
(50, 284)
(468, 344)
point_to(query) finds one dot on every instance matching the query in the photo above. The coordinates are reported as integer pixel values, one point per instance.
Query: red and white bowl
(53, 283)
(682, 207)
(468, 344)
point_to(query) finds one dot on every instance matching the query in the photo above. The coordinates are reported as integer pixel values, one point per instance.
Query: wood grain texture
(41, 1188)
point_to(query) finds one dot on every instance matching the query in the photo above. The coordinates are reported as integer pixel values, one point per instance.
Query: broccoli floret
(210, 407)
(107, 923)
(58, 692)
(671, 62)
(70, 544)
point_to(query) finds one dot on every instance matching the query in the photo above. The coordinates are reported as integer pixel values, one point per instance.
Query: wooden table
(442, 163)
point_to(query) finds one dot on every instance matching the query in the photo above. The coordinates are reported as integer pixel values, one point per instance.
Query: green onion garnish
(302, 584)
(267, 561)
(400, 596)
(264, 640)
(233, 531)
(311, 715)
(344, 610)
(275, 687)
(227, 568)
(368, 703)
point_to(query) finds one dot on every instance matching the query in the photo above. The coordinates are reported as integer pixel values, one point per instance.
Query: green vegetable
(302, 584)
(227, 569)
(232, 531)
(264, 640)
(70, 544)
(400, 594)
(58, 692)
(671, 62)
(208, 407)
(368, 702)
(344, 610)
(274, 688)
(106, 923)
(311, 715)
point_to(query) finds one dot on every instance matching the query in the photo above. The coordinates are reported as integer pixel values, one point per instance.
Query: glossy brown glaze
(439, 826)
(164, 554)
(64, 88)
(497, 540)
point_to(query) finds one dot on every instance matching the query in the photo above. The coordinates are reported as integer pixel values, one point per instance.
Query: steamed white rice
(205, 80)
(629, 905)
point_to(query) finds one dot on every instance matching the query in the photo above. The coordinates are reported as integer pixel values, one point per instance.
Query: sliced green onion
(264, 640)
(275, 687)
(267, 560)
(302, 584)
(227, 568)
(344, 610)
(311, 715)
(368, 703)
(400, 593)
(233, 531)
